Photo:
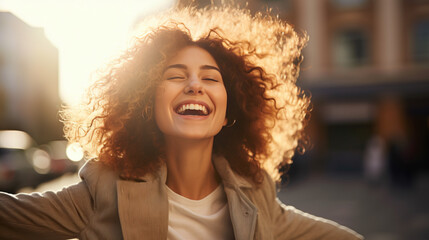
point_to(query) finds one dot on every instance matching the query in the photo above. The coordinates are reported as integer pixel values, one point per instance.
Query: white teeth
(192, 106)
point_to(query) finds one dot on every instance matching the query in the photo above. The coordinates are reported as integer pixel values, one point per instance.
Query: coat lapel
(243, 218)
(242, 211)
(143, 208)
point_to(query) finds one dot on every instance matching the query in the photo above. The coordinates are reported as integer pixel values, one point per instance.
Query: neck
(190, 171)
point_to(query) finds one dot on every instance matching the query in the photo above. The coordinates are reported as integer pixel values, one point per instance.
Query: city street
(377, 213)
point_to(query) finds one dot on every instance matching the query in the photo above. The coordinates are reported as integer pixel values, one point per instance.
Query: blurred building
(367, 68)
(29, 98)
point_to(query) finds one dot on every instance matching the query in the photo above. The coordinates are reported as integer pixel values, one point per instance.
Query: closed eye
(175, 77)
(211, 79)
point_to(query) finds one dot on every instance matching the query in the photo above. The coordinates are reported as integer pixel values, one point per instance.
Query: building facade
(29, 98)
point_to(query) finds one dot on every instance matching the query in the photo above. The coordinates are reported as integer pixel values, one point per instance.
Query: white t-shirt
(207, 218)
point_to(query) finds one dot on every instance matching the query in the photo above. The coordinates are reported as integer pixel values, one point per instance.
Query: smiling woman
(188, 128)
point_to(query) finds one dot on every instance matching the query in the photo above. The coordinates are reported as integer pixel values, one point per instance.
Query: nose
(194, 86)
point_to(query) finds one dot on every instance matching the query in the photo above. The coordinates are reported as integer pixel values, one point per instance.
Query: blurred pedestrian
(375, 161)
(392, 127)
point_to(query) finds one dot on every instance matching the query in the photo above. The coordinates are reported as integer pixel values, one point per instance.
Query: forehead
(192, 56)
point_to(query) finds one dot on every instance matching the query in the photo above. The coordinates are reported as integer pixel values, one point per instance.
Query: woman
(188, 127)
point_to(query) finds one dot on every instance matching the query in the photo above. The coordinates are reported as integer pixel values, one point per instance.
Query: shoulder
(100, 180)
(267, 187)
(94, 170)
(263, 195)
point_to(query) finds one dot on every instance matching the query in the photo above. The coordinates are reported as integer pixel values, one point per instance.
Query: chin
(195, 134)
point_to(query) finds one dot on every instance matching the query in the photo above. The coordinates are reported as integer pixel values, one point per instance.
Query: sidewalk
(376, 213)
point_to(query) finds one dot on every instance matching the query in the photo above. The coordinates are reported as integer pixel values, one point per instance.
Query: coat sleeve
(291, 223)
(49, 215)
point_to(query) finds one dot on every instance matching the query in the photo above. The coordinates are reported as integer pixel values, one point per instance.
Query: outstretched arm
(295, 224)
(48, 215)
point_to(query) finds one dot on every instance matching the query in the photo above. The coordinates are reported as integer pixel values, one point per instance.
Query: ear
(225, 122)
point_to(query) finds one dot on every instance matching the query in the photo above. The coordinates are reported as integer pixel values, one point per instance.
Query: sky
(87, 33)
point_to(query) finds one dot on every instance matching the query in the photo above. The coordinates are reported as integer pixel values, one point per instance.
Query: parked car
(60, 162)
(23, 163)
(16, 169)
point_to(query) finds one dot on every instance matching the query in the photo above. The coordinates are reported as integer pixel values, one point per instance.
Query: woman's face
(191, 99)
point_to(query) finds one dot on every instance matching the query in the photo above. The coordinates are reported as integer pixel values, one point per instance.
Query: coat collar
(229, 177)
(143, 205)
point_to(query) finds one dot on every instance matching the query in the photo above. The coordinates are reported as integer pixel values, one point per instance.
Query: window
(350, 49)
(421, 42)
(348, 4)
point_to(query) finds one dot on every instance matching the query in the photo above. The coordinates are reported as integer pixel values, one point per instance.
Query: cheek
(222, 100)
(159, 98)
(222, 103)
(161, 105)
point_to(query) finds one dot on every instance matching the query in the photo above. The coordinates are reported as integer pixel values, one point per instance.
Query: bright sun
(86, 32)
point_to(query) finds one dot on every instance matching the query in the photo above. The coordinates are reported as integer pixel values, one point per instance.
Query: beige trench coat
(102, 206)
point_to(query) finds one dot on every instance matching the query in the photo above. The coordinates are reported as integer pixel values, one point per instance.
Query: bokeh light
(15, 139)
(41, 161)
(74, 152)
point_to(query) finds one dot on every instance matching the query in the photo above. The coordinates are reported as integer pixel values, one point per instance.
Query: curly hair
(259, 59)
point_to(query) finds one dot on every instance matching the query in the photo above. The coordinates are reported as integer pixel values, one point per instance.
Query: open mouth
(192, 109)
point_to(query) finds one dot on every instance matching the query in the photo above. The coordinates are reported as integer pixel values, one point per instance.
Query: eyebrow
(182, 66)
